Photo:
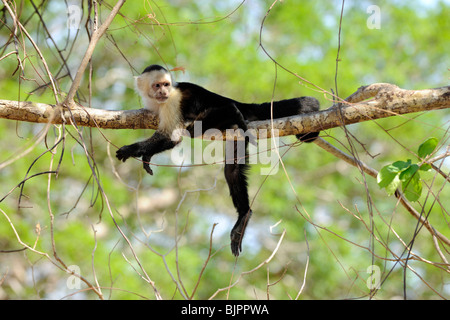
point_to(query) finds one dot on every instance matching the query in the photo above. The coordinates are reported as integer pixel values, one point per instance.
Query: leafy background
(328, 216)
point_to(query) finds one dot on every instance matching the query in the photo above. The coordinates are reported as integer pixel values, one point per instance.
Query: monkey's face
(161, 90)
(155, 85)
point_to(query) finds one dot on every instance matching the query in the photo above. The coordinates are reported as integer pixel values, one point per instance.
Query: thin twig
(228, 288)
(90, 51)
(373, 173)
(41, 56)
(205, 263)
(306, 269)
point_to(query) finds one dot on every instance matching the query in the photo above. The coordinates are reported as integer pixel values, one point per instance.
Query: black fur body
(191, 103)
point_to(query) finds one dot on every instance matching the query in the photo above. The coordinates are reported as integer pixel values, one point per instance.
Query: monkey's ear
(139, 83)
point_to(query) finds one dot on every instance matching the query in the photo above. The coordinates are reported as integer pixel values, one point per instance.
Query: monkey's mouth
(161, 99)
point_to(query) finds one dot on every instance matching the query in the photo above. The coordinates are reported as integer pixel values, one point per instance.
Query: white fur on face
(159, 96)
(154, 88)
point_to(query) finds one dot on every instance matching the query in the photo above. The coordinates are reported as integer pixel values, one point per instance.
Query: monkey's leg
(236, 176)
(222, 118)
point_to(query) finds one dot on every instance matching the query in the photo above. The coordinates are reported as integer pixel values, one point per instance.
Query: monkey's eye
(166, 84)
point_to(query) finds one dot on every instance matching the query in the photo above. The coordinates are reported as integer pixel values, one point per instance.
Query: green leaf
(402, 165)
(386, 175)
(411, 183)
(408, 173)
(413, 189)
(425, 167)
(393, 186)
(427, 147)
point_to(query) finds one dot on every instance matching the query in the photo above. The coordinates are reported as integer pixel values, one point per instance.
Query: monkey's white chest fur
(169, 112)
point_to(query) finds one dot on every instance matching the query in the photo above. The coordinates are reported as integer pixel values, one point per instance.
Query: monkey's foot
(308, 137)
(237, 233)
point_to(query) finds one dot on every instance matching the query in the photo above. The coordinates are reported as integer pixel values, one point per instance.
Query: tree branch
(373, 173)
(386, 100)
(86, 117)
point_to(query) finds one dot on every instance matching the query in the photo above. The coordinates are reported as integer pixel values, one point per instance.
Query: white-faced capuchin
(178, 105)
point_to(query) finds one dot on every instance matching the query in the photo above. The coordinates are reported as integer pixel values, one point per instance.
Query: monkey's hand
(133, 150)
(127, 151)
(158, 142)
(237, 233)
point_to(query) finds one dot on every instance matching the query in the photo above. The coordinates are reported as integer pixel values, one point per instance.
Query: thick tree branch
(386, 100)
(86, 117)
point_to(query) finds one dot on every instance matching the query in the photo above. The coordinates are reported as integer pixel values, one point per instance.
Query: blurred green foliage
(337, 222)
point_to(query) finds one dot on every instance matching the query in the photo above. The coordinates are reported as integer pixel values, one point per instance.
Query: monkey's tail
(281, 109)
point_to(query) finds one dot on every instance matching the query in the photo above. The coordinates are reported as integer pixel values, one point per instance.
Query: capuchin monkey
(179, 105)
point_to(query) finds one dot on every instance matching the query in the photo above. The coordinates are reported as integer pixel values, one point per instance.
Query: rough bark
(371, 102)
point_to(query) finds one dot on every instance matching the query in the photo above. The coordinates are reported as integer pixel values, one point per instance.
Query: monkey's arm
(146, 149)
